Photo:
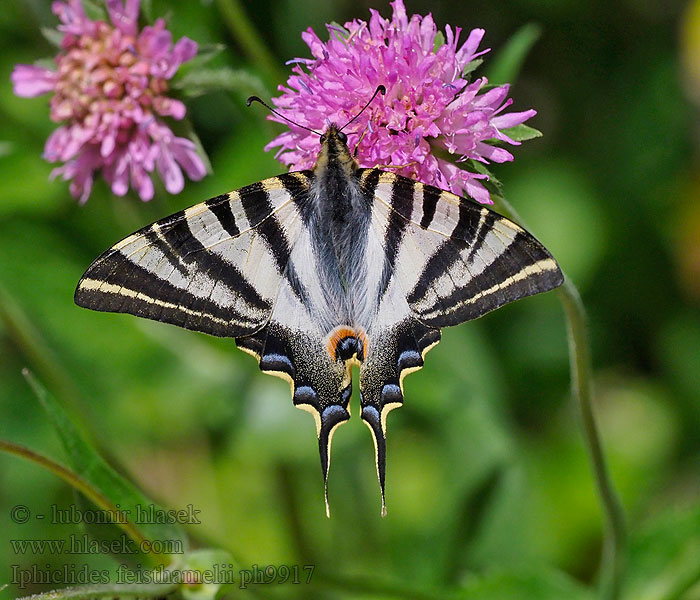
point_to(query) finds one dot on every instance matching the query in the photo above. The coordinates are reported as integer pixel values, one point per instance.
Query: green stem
(612, 567)
(243, 31)
(613, 556)
(74, 480)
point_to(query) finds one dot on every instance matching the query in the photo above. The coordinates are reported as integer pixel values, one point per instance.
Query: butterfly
(315, 271)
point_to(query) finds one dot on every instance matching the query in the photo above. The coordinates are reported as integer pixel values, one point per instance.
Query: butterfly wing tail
(392, 355)
(320, 385)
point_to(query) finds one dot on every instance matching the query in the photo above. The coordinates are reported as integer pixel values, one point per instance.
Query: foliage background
(489, 485)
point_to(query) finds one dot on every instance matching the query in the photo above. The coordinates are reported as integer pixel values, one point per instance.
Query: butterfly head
(334, 151)
(334, 135)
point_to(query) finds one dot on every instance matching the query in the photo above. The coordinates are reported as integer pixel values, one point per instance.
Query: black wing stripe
(258, 209)
(221, 209)
(116, 282)
(192, 269)
(256, 203)
(185, 244)
(370, 181)
(297, 186)
(446, 255)
(273, 234)
(402, 202)
(158, 242)
(473, 235)
(180, 239)
(431, 196)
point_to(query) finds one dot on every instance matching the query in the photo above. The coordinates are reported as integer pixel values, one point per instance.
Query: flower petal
(475, 190)
(168, 168)
(109, 93)
(29, 80)
(141, 182)
(169, 107)
(124, 15)
(185, 152)
(512, 119)
(73, 18)
(184, 50)
(467, 52)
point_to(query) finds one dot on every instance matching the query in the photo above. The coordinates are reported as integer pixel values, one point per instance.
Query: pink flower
(430, 110)
(110, 94)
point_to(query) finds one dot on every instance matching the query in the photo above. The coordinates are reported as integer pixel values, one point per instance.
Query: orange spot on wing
(342, 332)
(334, 339)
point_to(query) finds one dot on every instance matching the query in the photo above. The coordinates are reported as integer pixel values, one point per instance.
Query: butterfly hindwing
(215, 267)
(394, 351)
(320, 382)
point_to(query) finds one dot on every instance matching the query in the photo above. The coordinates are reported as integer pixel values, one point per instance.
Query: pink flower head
(110, 94)
(430, 110)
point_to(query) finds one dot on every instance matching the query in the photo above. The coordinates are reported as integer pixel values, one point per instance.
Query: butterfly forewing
(461, 260)
(215, 267)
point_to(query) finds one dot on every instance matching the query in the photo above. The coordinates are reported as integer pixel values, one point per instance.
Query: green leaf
(506, 65)
(204, 81)
(53, 36)
(525, 585)
(6, 148)
(472, 66)
(28, 340)
(492, 184)
(45, 63)
(147, 11)
(339, 30)
(90, 466)
(440, 41)
(95, 10)
(205, 54)
(487, 87)
(522, 132)
(521, 584)
(208, 560)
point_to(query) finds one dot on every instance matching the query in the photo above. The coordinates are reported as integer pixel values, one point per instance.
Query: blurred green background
(489, 487)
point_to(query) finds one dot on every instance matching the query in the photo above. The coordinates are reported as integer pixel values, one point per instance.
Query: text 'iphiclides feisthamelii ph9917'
(314, 271)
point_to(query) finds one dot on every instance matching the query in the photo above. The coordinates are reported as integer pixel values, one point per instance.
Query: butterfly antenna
(252, 99)
(380, 89)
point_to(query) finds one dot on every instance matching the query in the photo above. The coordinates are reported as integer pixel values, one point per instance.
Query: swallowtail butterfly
(314, 271)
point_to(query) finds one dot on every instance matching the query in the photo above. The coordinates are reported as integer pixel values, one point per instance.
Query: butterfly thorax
(340, 224)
